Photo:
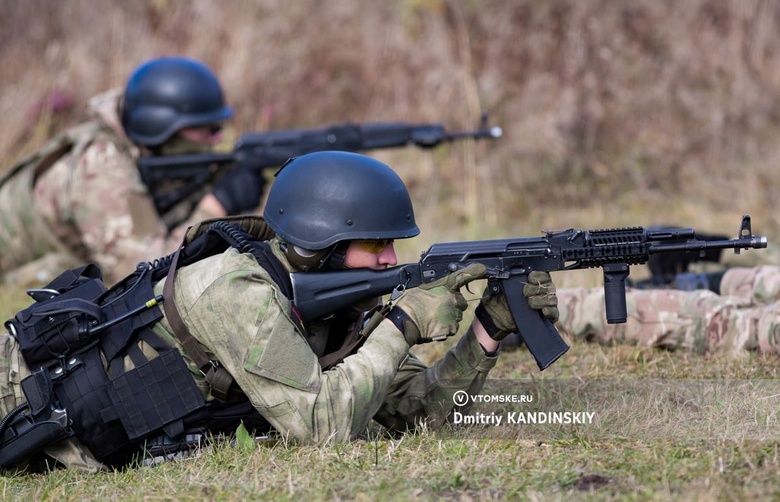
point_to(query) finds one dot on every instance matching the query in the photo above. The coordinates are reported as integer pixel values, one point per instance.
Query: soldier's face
(377, 255)
(206, 134)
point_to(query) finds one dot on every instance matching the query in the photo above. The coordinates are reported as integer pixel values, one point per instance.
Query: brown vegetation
(614, 113)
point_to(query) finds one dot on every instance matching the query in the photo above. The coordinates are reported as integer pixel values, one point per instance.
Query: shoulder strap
(52, 151)
(218, 377)
(332, 359)
(265, 257)
(235, 236)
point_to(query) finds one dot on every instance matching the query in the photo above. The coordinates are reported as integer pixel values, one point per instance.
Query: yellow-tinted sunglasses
(375, 246)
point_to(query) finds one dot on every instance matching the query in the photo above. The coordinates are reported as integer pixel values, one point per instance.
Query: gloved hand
(431, 312)
(240, 189)
(495, 316)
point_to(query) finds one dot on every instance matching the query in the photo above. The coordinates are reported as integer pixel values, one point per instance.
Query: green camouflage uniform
(743, 317)
(235, 310)
(86, 205)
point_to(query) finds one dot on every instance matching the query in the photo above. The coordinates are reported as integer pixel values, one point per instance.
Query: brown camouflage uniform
(84, 202)
(235, 310)
(744, 316)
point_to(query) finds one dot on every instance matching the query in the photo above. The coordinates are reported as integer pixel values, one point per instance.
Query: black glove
(240, 189)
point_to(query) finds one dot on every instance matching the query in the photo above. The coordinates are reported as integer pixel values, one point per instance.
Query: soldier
(81, 198)
(742, 317)
(230, 346)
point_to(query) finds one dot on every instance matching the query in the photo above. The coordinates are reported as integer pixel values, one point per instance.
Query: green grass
(423, 467)
(649, 447)
(12, 300)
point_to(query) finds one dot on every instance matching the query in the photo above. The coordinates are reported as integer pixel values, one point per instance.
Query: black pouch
(24, 438)
(58, 324)
(83, 391)
(154, 396)
(26, 433)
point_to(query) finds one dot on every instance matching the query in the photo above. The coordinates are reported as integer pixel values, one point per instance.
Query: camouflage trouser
(744, 317)
(12, 370)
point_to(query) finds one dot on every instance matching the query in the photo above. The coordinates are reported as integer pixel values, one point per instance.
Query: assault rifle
(273, 148)
(509, 261)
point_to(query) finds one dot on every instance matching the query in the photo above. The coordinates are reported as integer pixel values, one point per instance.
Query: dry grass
(669, 426)
(615, 114)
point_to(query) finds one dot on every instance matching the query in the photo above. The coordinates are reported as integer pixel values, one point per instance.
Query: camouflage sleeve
(422, 393)
(254, 339)
(701, 321)
(758, 285)
(114, 213)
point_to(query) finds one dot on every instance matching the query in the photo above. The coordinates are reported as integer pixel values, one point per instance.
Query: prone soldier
(81, 197)
(232, 348)
(127, 184)
(742, 317)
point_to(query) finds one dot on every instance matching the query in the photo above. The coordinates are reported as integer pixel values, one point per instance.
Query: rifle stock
(508, 261)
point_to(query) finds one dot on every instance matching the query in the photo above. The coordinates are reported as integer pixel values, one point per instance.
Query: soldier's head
(333, 210)
(173, 100)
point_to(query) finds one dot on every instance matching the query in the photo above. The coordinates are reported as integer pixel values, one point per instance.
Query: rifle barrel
(754, 242)
(493, 132)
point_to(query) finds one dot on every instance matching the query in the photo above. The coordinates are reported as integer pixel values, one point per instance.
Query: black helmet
(323, 198)
(165, 95)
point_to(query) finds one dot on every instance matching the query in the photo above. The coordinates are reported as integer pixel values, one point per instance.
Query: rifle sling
(332, 359)
(355, 339)
(217, 377)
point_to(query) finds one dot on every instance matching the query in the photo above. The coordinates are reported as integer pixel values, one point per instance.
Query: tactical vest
(77, 337)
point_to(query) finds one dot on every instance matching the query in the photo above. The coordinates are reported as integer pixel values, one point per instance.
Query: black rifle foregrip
(615, 275)
(539, 334)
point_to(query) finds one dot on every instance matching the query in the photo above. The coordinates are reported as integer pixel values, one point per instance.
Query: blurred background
(615, 113)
